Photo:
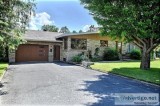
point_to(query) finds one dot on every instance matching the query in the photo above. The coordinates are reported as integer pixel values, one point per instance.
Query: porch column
(69, 44)
(68, 49)
(50, 53)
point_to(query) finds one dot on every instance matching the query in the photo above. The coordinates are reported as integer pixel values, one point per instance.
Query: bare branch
(145, 40)
(152, 47)
(138, 39)
(157, 41)
(137, 44)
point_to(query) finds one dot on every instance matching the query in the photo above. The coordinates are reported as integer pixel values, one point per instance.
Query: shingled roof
(34, 35)
(75, 34)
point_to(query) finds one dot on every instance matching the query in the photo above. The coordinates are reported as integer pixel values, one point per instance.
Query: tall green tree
(51, 28)
(133, 20)
(64, 30)
(80, 31)
(14, 17)
(74, 31)
(91, 28)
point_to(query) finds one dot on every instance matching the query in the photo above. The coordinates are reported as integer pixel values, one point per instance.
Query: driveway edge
(3, 74)
(130, 78)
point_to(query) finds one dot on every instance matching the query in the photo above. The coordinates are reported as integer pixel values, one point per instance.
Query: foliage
(74, 31)
(91, 28)
(96, 59)
(80, 31)
(96, 52)
(158, 53)
(135, 54)
(89, 54)
(51, 28)
(64, 30)
(3, 66)
(131, 69)
(4, 54)
(110, 54)
(77, 58)
(14, 18)
(136, 21)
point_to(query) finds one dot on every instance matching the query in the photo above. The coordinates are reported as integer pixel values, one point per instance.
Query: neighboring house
(54, 46)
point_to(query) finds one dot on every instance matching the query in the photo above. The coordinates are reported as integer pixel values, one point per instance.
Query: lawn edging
(127, 77)
(1, 77)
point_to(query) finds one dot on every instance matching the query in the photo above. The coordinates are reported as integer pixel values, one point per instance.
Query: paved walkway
(64, 84)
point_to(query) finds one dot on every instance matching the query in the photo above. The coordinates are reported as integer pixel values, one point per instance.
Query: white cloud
(39, 20)
(86, 28)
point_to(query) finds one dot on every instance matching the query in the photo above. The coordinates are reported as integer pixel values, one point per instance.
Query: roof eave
(34, 40)
(75, 34)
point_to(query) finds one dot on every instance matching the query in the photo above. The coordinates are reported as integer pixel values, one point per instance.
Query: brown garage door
(29, 52)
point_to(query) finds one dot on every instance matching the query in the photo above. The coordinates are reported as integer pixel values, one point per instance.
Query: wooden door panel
(56, 52)
(30, 52)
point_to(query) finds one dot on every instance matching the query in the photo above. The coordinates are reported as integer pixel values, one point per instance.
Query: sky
(61, 13)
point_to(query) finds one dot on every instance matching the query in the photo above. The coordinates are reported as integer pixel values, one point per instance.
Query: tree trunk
(145, 61)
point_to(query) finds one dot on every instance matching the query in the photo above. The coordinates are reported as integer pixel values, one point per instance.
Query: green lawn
(131, 69)
(3, 66)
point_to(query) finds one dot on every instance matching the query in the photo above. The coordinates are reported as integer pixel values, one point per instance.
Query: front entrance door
(56, 52)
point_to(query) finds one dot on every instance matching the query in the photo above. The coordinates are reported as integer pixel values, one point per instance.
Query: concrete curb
(144, 82)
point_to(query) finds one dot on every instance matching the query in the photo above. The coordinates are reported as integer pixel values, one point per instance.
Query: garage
(32, 52)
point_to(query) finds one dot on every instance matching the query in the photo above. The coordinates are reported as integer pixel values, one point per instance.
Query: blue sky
(68, 13)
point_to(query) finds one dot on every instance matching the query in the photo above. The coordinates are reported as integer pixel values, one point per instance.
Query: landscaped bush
(77, 58)
(135, 54)
(3, 54)
(110, 54)
(158, 53)
(95, 59)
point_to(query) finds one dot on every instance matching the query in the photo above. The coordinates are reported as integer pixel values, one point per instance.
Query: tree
(64, 30)
(91, 28)
(51, 28)
(80, 31)
(131, 20)
(14, 17)
(74, 31)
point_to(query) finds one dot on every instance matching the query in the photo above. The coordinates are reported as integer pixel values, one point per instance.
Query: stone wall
(92, 44)
(12, 56)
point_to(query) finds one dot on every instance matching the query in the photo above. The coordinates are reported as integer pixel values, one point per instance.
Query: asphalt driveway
(64, 84)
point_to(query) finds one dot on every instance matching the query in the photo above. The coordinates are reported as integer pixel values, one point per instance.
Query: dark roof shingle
(34, 35)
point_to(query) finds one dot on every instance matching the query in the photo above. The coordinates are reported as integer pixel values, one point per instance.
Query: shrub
(110, 54)
(95, 59)
(135, 54)
(77, 58)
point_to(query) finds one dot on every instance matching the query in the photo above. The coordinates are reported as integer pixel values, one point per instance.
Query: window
(104, 43)
(79, 44)
(65, 43)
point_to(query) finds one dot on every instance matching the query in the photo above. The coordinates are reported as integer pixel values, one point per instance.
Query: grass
(3, 66)
(132, 70)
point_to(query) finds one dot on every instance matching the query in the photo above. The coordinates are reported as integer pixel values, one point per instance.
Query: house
(54, 46)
